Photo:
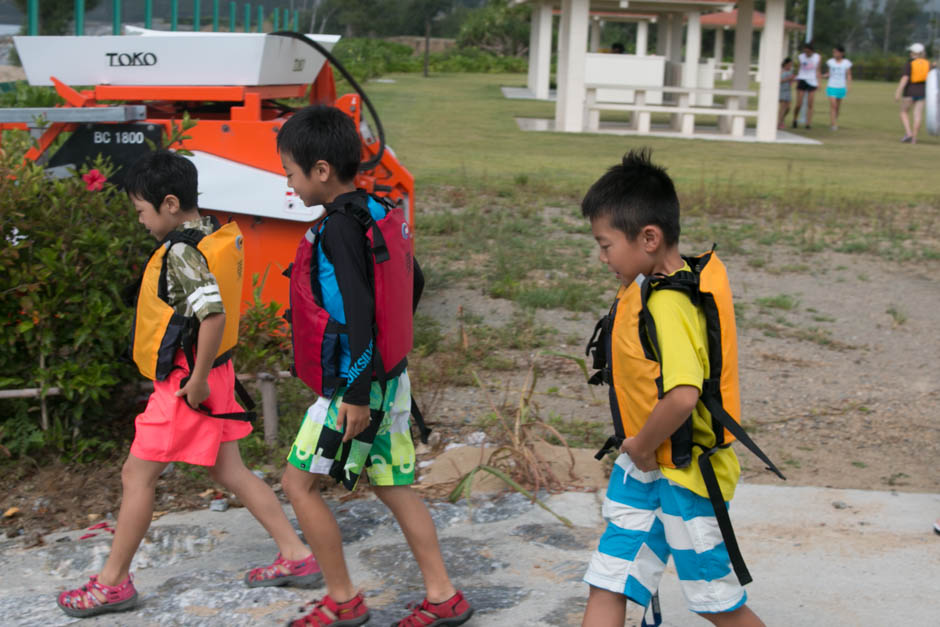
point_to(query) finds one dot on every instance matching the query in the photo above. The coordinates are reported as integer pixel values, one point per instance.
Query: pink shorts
(170, 431)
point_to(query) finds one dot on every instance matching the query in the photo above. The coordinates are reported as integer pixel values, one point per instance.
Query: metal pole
(32, 17)
(809, 20)
(276, 20)
(116, 17)
(79, 17)
(148, 14)
(215, 16)
(260, 19)
(247, 17)
(197, 13)
(297, 21)
(232, 15)
(286, 19)
(174, 14)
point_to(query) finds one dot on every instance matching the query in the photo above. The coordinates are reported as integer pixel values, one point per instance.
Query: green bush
(878, 68)
(66, 252)
(25, 95)
(369, 58)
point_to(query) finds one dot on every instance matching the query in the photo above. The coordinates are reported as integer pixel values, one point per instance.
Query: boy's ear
(170, 203)
(321, 170)
(651, 236)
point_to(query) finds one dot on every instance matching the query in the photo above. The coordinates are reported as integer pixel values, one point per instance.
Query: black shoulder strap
(361, 214)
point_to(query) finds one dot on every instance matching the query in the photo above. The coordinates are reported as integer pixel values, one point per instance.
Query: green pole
(286, 19)
(247, 17)
(276, 20)
(116, 17)
(260, 19)
(197, 13)
(79, 17)
(32, 17)
(148, 14)
(232, 14)
(215, 16)
(174, 14)
(296, 21)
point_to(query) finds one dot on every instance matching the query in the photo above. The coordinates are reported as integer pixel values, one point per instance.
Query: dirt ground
(11, 73)
(840, 389)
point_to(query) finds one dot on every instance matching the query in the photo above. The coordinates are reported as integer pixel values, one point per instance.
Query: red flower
(94, 180)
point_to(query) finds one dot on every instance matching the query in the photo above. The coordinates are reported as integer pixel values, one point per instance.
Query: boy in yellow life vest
(657, 502)
(186, 323)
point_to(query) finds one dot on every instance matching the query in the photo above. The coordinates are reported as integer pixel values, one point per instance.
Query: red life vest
(315, 333)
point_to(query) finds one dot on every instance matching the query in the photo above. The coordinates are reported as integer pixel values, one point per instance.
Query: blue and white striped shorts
(650, 518)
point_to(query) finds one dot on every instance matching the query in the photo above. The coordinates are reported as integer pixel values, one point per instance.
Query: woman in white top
(839, 74)
(807, 80)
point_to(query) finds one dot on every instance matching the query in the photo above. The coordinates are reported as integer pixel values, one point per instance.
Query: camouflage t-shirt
(191, 289)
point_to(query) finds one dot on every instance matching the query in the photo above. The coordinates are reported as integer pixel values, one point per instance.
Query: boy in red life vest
(360, 423)
(180, 296)
(653, 508)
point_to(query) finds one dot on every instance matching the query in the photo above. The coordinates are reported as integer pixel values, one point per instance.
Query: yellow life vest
(919, 70)
(158, 331)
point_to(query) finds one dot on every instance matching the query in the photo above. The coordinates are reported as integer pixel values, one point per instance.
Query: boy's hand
(195, 391)
(355, 417)
(644, 460)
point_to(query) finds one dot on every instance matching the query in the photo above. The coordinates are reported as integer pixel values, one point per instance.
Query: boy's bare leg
(139, 480)
(415, 521)
(259, 498)
(320, 530)
(604, 609)
(741, 617)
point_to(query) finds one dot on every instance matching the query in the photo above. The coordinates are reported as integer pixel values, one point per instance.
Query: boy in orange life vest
(654, 510)
(361, 426)
(162, 187)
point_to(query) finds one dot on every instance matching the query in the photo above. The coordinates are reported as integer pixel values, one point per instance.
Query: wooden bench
(684, 112)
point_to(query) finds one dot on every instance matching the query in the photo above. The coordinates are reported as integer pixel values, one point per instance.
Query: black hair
(809, 45)
(320, 132)
(785, 61)
(160, 173)
(617, 47)
(840, 48)
(634, 194)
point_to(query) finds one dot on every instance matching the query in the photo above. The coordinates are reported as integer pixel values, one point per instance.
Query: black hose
(374, 161)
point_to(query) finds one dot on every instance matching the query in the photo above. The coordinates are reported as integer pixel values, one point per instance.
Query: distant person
(178, 281)
(807, 81)
(352, 314)
(912, 90)
(839, 75)
(656, 342)
(617, 48)
(786, 91)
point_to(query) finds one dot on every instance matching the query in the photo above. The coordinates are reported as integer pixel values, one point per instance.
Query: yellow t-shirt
(683, 352)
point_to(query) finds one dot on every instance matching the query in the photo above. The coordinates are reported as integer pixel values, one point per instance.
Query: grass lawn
(457, 129)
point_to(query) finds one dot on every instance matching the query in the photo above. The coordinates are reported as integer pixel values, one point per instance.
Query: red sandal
(349, 614)
(83, 602)
(452, 612)
(303, 573)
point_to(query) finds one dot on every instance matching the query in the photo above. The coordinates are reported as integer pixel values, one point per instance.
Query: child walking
(786, 90)
(657, 357)
(178, 286)
(360, 423)
(839, 75)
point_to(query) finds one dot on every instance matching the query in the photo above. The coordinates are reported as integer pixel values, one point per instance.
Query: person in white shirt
(807, 80)
(839, 73)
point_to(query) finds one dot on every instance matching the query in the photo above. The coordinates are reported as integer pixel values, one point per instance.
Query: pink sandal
(352, 613)
(452, 612)
(303, 573)
(83, 602)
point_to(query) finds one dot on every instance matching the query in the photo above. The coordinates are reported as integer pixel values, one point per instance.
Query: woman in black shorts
(911, 91)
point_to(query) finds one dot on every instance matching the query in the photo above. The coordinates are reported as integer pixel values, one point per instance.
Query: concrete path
(818, 556)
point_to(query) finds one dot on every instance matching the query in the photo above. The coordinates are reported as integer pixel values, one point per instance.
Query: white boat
(156, 57)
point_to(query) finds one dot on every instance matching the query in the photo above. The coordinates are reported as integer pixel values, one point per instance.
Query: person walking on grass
(786, 91)
(362, 424)
(912, 90)
(177, 282)
(657, 353)
(839, 75)
(807, 81)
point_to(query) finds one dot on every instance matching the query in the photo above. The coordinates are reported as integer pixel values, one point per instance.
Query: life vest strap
(714, 407)
(612, 444)
(655, 609)
(423, 430)
(721, 515)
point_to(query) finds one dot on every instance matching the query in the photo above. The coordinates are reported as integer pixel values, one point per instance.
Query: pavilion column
(642, 37)
(769, 71)
(595, 34)
(719, 51)
(675, 38)
(569, 107)
(743, 35)
(693, 49)
(662, 34)
(540, 50)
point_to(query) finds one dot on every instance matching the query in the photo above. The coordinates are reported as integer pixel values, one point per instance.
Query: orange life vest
(919, 69)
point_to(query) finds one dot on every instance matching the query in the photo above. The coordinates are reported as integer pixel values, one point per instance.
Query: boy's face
(625, 257)
(309, 186)
(159, 223)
